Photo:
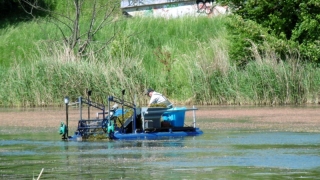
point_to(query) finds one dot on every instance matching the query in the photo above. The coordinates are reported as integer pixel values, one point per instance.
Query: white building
(172, 8)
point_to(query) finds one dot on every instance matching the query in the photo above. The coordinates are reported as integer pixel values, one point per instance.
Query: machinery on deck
(129, 121)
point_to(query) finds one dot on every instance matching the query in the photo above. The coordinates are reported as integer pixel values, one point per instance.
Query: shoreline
(295, 119)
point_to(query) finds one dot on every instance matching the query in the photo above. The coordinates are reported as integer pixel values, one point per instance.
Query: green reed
(187, 59)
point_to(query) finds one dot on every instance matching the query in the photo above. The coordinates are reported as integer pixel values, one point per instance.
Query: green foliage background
(295, 21)
(220, 60)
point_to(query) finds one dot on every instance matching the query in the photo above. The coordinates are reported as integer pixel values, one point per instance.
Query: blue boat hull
(156, 135)
(146, 135)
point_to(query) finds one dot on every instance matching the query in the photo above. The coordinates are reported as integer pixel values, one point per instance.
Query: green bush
(246, 36)
(297, 21)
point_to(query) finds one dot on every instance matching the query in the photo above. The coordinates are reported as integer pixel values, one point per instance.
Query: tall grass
(268, 80)
(164, 44)
(18, 42)
(187, 59)
(47, 80)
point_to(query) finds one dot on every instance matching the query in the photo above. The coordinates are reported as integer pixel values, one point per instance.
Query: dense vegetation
(221, 60)
(295, 21)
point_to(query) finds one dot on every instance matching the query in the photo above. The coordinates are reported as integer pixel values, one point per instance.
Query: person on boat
(157, 98)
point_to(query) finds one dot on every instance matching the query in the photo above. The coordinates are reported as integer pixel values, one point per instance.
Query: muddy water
(235, 145)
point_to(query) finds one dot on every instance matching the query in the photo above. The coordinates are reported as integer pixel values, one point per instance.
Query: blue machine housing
(143, 123)
(160, 123)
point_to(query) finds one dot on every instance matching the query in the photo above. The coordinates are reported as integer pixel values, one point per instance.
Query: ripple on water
(254, 154)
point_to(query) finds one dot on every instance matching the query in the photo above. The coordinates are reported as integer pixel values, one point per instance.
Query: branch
(100, 26)
(75, 32)
(66, 40)
(25, 10)
(107, 42)
(34, 6)
(89, 33)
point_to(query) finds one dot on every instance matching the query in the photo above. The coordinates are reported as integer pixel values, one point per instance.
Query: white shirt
(157, 98)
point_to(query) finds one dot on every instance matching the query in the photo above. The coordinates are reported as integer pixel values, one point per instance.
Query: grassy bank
(187, 59)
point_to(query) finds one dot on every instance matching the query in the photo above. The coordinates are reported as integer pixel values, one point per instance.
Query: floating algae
(121, 119)
(158, 105)
(100, 134)
(97, 134)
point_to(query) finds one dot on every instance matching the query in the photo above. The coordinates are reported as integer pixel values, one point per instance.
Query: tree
(287, 19)
(78, 32)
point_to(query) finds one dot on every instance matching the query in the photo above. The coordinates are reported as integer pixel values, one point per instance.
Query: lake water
(217, 154)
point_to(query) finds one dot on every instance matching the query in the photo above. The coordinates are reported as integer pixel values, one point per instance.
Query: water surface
(213, 155)
(217, 154)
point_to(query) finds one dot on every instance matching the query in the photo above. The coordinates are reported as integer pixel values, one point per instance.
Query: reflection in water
(213, 155)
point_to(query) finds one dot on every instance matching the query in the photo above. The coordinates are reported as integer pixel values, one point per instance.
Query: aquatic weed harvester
(129, 121)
